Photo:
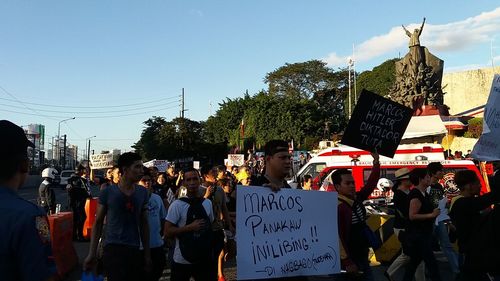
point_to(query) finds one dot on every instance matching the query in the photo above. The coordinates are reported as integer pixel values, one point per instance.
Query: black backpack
(196, 246)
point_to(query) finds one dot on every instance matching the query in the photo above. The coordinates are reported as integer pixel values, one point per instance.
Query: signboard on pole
(487, 147)
(101, 161)
(235, 159)
(285, 234)
(196, 165)
(161, 165)
(377, 123)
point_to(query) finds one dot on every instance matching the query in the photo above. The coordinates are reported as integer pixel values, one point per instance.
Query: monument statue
(414, 44)
(415, 36)
(418, 75)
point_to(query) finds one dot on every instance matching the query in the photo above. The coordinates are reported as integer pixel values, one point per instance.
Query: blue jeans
(441, 231)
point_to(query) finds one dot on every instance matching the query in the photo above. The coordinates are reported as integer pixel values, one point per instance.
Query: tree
(305, 102)
(474, 128)
(380, 79)
(149, 143)
(227, 119)
(301, 80)
(170, 140)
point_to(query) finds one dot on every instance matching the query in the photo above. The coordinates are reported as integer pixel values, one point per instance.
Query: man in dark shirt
(351, 220)
(277, 169)
(477, 226)
(25, 250)
(437, 193)
(435, 190)
(78, 193)
(277, 166)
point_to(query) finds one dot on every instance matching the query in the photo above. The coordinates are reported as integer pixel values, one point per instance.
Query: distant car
(65, 175)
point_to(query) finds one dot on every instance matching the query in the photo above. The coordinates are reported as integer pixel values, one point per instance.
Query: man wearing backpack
(189, 221)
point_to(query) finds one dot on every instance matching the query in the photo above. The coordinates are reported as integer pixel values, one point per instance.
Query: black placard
(377, 123)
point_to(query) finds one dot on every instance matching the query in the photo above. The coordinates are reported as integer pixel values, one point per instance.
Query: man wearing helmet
(46, 196)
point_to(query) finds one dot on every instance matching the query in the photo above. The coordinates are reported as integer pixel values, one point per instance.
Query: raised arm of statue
(406, 30)
(421, 27)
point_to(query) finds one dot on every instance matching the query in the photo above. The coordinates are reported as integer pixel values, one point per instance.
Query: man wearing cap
(277, 167)
(401, 202)
(25, 250)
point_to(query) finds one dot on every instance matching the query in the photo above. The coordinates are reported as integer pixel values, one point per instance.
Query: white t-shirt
(177, 214)
(156, 211)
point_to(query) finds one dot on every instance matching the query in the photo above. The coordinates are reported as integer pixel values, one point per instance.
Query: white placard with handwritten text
(487, 147)
(288, 233)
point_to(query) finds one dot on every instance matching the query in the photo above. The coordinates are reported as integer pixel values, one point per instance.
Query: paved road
(30, 193)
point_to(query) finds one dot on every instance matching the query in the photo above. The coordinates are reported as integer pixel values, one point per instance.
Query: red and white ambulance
(359, 162)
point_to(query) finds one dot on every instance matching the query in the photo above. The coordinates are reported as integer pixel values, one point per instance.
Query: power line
(17, 100)
(90, 117)
(100, 112)
(79, 106)
(99, 140)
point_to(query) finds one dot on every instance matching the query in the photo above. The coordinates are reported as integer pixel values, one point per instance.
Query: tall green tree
(379, 79)
(149, 143)
(301, 80)
(178, 138)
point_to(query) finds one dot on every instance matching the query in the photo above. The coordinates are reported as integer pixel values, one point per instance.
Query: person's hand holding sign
(376, 157)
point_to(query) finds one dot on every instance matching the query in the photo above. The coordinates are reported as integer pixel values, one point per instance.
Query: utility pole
(88, 153)
(53, 154)
(182, 104)
(354, 75)
(64, 154)
(349, 99)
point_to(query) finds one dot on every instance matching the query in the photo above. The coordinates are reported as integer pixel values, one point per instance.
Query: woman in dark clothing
(401, 202)
(419, 230)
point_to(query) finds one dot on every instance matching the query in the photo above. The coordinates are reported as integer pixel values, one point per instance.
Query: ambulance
(360, 163)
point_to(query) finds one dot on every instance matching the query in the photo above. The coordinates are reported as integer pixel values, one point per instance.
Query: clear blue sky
(99, 53)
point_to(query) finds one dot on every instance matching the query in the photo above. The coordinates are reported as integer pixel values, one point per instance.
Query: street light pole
(58, 139)
(88, 150)
(354, 75)
(349, 99)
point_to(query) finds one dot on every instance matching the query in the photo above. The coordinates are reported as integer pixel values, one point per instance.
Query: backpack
(196, 246)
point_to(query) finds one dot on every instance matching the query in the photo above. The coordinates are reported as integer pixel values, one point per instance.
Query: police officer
(78, 192)
(25, 250)
(46, 195)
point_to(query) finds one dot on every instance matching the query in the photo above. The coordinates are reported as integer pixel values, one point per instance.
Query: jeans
(441, 231)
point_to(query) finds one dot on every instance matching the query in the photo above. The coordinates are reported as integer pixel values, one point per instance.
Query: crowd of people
(147, 220)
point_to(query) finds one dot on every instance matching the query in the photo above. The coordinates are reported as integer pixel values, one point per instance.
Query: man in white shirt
(184, 267)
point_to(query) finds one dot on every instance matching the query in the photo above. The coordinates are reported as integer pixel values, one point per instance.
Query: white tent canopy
(421, 126)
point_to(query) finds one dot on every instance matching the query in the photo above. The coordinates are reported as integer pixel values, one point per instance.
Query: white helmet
(49, 173)
(384, 184)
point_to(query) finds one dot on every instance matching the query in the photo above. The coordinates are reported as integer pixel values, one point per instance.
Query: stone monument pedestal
(426, 110)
